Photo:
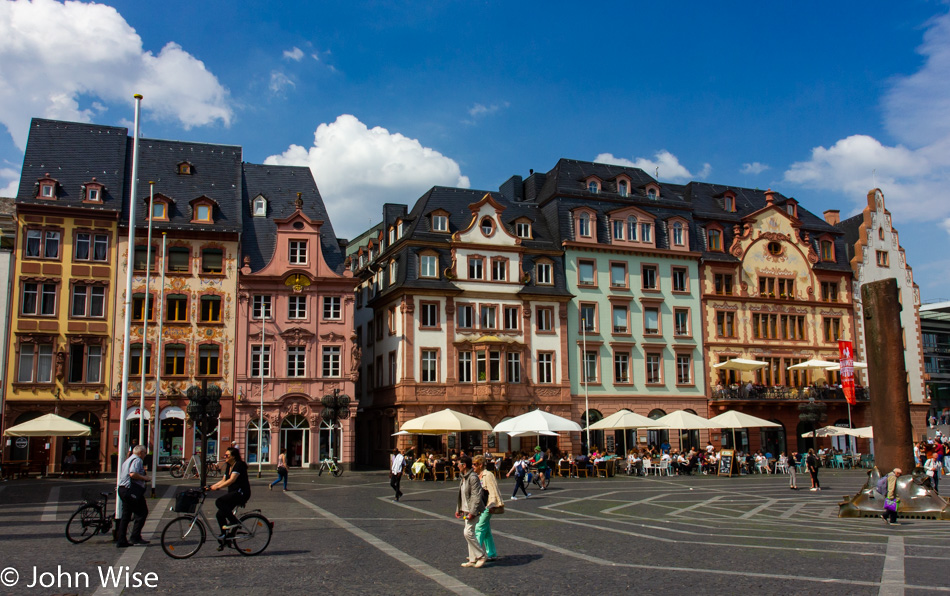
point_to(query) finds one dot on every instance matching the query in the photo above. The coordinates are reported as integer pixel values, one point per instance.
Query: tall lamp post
(336, 407)
(204, 407)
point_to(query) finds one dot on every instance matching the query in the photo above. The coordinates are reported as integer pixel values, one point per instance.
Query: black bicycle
(90, 519)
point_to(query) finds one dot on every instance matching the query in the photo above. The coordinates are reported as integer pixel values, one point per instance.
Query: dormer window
(792, 209)
(46, 191)
(159, 210)
(714, 240)
(47, 187)
(523, 229)
(202, 210)
(622, 188)
(632, 228)
(678, 234)
(399, 229)
(729, 202)
(92, 195)
(92, 192)
(487, 226)
(593, 187)
(392, 236)
(260, 207)
(185, 169)
(203, 213)
(583, 225)
(440, 223)
(652, 193)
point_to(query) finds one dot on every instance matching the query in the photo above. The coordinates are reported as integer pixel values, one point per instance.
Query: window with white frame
(440, 223)
(298, 252)
(88, 301)
(621, 367)
(260, 207)
(523, 229)
(85, 364)
(684, 369)
(544, 274)
(585, 273)
(617, 228)
(297, 307)
(332, 310)
(296, 361)
(588, 317)
(428, 266)
(38, 300)
(429, 314)
(42, 244)
(681, 321)
(476, 268)
(466, 316)
(621, 314)
(513, 367)
(260, 361)
(618, 275)
(651, 320)
(511, 318)
(91, 247)
(545, 319)
(545, 367)
(583, 225)
(646, 232)
(430, 366)
(653, 371)
(648, 277)
(590, 366)
(35, 363)
(678, 236)
(622, 188)
(680, 279)
(489, 318)
(261, 306)
(465, 367)
(499, 270)
(331, 361)
(632, 228)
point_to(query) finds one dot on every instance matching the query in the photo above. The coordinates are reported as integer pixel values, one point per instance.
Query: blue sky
(819, 101)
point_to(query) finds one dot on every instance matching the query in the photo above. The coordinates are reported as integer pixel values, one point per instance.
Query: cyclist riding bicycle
(239, 492)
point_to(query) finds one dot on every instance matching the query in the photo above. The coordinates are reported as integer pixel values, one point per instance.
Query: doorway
(294, 436)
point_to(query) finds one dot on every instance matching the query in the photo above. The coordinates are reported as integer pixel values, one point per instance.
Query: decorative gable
(594, 184)
(632, 226)
(585, 224)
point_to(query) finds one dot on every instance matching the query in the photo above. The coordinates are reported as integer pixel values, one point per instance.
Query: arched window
(622, 188)
(592, 186)
(488, 226)
(596, 436)
(678, 233)
(657, 437)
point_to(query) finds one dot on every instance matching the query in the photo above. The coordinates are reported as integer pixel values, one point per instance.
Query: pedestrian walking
(493, 505)
(281, 469)
(132, 495)
(812, 463)
(395, 471)
(519, 469)
(891, 502)
(792, 470)
(934, 468)
(469, 507)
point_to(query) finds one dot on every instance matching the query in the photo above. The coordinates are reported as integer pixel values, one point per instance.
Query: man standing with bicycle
(132, 495)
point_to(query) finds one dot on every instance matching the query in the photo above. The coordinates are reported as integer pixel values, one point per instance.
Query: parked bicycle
(90, 519)
(191, 469)
(330, 465)
(184, 535)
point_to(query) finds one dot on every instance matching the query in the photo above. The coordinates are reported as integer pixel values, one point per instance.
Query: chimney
(832, 216)
(770, 197)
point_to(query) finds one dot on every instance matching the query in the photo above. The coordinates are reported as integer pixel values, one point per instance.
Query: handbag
(891, 505)
(497, 510)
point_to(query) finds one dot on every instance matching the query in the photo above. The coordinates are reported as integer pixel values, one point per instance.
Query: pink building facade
(294, 324)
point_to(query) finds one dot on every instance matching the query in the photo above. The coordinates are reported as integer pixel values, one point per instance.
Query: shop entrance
(294, 435)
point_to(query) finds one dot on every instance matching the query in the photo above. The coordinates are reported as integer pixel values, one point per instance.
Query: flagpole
(584, 368)
(148, 278)
(129, 265)
(158, 365)
(260, 422)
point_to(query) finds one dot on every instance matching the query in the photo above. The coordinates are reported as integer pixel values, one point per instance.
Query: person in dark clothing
(239, 492)
(812, 463)
(132, 494)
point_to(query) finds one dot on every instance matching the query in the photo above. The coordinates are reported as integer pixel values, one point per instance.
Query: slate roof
(851, 228)
(280, 185)
(73, 154)
(7, 207)
(456, 202)
(216, 174)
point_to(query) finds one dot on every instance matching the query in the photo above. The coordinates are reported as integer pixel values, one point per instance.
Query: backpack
(882, 485)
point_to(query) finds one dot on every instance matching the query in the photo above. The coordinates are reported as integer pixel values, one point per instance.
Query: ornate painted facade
(295, 339)
(462, 304)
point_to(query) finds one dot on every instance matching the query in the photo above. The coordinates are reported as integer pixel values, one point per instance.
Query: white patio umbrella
(741, 364)
(826, 431)
(857, 366)
(445, 421)
(734, 419)
(531, 433)
(865, 432)
(681, 420)
(537, 421)
(49, 425)
(624, 420)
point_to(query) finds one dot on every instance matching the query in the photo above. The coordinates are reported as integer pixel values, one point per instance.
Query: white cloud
(57, 57)
(664, 162)
(279, 82)
(914, 174)
(753, 168)
(295, 54)
(358, 169)
(13, 176)
(480, 110)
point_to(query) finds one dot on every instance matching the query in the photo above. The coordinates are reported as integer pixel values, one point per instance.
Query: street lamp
(336, 407)
(204, 407)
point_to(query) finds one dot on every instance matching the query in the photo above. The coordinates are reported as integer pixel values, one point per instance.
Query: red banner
(846, 360)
